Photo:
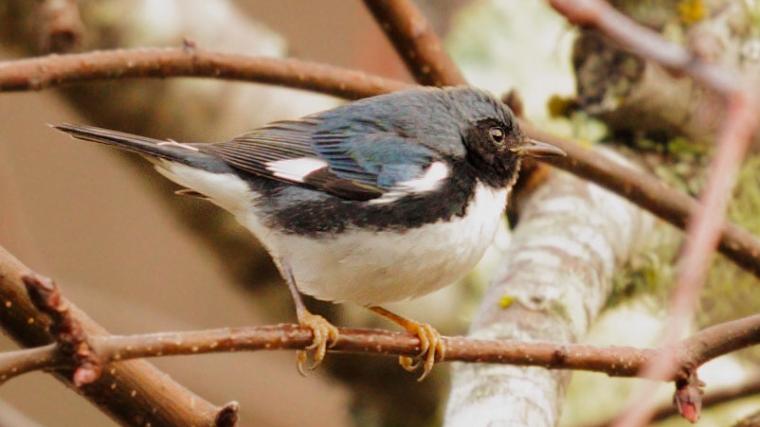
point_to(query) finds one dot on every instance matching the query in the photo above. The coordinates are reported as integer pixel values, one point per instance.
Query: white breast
(369, 267)
(365, 267)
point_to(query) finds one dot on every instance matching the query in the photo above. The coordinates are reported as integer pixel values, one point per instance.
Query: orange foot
(432, 347)
(325, 336)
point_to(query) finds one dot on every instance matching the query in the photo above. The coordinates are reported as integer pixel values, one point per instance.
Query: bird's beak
(532, 148)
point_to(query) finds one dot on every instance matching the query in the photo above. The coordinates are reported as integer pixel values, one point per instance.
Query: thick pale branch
(648, 192)
(614, 361)
(55, 70)
(647, 43)
(704, 228)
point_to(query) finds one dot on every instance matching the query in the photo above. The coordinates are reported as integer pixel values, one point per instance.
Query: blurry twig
(55, 70)
(705, 226)
(134, 390)
(722, 395)
(416, 42)
(61, 26)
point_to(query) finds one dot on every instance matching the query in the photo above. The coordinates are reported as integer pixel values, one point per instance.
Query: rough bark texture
(632, 95)
(558, 273)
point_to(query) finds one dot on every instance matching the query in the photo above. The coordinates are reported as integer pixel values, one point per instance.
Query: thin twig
(642, 189)
(614, 361)
(716, 397)
(704, 229)
(60, 25)
(416, 42)
(55, 70)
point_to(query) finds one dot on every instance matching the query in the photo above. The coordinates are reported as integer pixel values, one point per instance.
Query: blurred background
(137, 258)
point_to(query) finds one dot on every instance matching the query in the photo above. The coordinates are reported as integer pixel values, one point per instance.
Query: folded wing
(368, 165)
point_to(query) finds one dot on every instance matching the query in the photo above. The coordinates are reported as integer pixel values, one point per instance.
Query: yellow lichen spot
(506, 301)
(691, 11)
(559, 106)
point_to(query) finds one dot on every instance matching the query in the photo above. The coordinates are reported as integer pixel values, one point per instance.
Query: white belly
(369, 267)
(365, 267)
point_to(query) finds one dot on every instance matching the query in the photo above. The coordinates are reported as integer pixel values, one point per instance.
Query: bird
(379, 200)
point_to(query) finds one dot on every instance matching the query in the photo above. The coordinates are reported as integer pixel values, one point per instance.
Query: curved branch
(648, 192)
(56, 70)
(416, 42)
(135, 390)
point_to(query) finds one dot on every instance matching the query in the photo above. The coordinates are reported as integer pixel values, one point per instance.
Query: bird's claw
(325, 336)
(432, 349)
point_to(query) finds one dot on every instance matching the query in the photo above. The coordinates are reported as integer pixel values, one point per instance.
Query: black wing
(350, 165)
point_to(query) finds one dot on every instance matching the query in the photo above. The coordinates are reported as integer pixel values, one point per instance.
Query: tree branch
(56, 70)
(706, 345)
(555, 288)
(416, 42)
(135, 390)
(61, 25)
(704, 228)
(650, 193)
(719, 396)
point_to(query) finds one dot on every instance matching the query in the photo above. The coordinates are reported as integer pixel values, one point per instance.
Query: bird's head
(492, 137)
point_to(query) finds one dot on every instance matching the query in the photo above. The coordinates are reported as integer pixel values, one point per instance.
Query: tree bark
(571, 238)
(633, 95)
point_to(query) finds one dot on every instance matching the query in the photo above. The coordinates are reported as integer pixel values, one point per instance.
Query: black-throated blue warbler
(379, 200)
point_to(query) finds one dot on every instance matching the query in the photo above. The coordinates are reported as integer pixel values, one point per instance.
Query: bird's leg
(432, 347)
(325, 334)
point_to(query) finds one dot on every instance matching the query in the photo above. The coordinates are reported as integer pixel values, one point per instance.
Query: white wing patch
(295, 169)
(430, 181)
(433, 177)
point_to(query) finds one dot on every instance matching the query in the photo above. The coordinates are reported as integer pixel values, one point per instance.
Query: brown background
(75, 212)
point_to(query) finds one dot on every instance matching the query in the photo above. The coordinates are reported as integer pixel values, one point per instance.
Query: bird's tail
(188, 154)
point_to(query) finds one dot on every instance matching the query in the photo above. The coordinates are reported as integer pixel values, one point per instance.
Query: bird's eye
(497, 135)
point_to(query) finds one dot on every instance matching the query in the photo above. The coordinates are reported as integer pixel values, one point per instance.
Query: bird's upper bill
(533, 148)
